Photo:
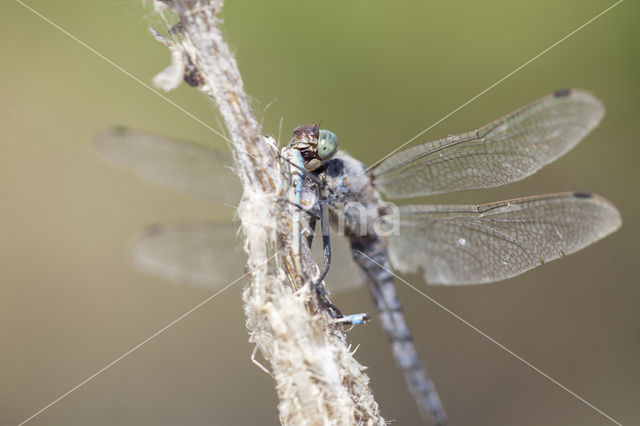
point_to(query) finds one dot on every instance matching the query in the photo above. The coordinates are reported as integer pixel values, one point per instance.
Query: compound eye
(327, 144)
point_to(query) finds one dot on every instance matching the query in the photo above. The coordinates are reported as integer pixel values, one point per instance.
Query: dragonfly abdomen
(370, 254)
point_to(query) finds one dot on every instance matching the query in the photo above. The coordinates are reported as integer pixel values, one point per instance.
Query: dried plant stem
(317, 379)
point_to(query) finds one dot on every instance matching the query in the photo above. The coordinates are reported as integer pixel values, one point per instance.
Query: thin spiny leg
(312, 230)
(301, 208)
(326, 252)
(355, 319)
(326, 245)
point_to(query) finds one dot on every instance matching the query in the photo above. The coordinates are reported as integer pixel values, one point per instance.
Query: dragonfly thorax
(354, 204)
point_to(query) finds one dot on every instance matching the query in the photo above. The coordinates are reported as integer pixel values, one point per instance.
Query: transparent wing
(504, 151)
(171, 163)
(208, 255)
(491, 242)
(204, 255)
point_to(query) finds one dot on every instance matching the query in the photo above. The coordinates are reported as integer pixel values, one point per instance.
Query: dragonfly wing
(202, 255)
(174, 164)
(491, 242)
(504, 151)
(198, 254)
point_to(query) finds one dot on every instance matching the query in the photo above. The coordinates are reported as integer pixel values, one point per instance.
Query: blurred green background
(376, 73)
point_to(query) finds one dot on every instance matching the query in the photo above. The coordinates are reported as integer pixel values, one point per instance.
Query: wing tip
(586, 97)
(578, 93)
(613, 216)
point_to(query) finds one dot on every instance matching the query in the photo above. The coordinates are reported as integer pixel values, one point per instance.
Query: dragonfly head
(316, 146)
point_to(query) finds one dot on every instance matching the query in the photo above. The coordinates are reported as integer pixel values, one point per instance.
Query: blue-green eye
(327, 144)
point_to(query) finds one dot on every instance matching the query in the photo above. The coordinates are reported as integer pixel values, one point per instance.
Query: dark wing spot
(120, 130)
(153, 230)
(561, 93)
(582, 195)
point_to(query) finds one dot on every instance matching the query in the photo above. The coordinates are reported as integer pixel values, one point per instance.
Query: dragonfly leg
(312, 230)
(302, 208)
(326, 245)
(354, 319)
(256, 362)
(324, 297)
(300, 169)
(313, 218)
(318, 284)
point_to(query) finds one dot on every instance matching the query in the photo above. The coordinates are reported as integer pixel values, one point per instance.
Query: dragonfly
(448, 244)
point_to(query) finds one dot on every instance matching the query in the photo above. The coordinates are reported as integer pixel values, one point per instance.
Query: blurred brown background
(375, 73)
